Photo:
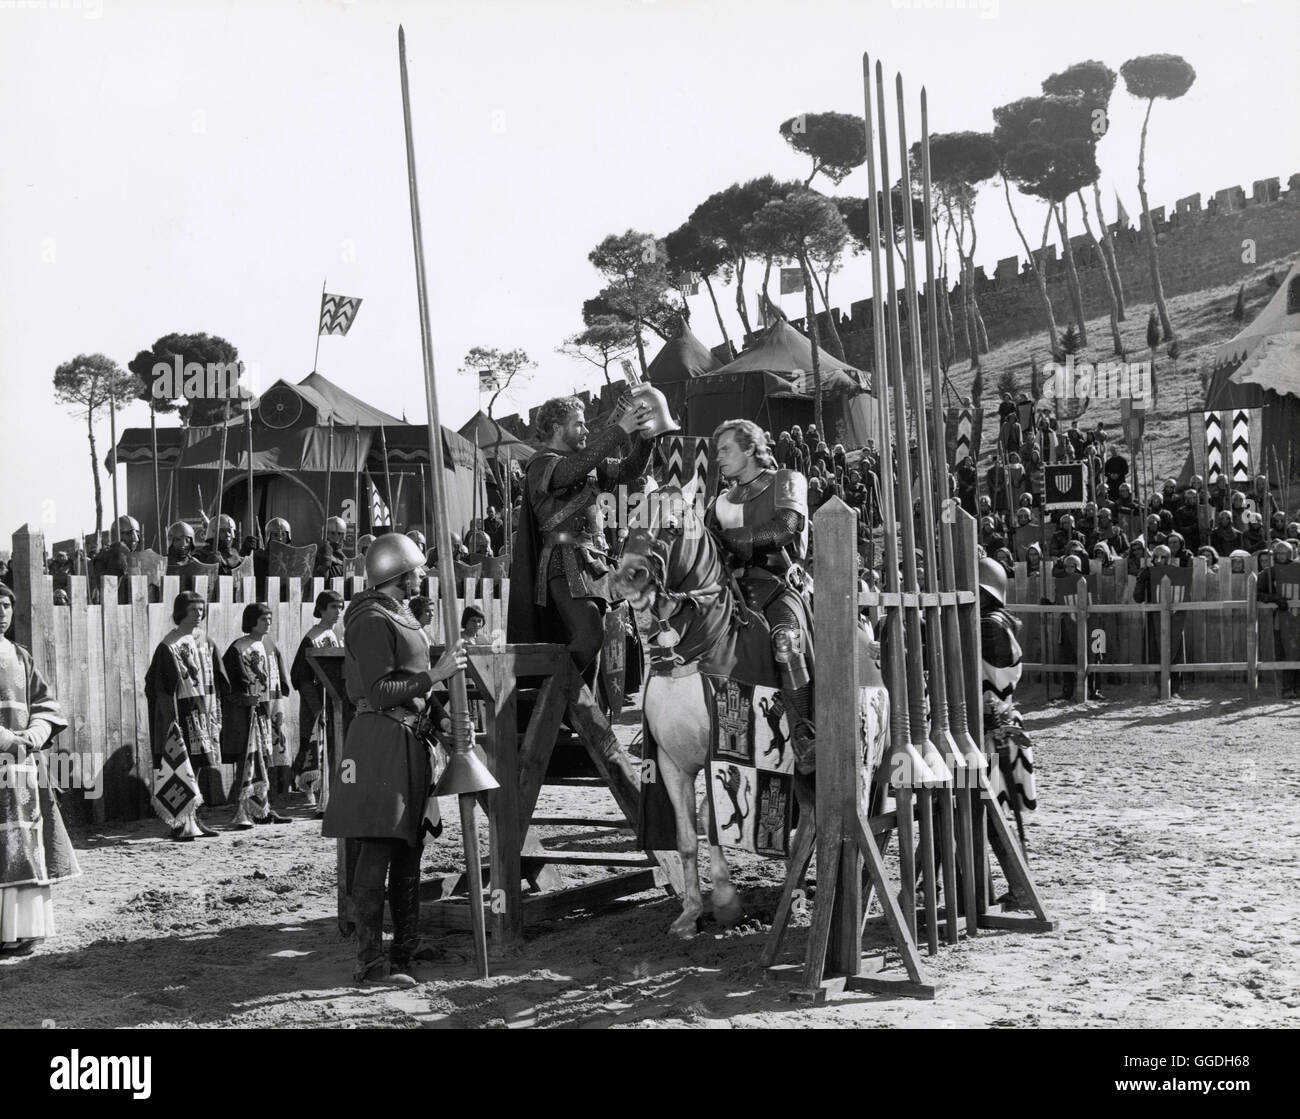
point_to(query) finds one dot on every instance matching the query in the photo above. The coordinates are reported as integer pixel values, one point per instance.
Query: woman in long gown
(315, 732)
(254, 712)
(35, 851)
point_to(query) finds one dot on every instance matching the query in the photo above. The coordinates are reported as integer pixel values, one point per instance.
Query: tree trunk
(157, 485)
(980, 330)
(836, 347)
(718, 315)
(1108, 252)
(640, 351)
(945, 319)
(968, 309)
(1071, 272)
(740, 296)
(1111, 303)
(1153, 253)
(94, 472)
(1052, 336)
(813, 336)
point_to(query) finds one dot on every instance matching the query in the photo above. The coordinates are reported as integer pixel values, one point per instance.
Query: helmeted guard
(111, 559)
(1010, 752)
(180, 548)
(762, 522)
(387, 753)
(277, 528)
(331, 561)
(220, 548)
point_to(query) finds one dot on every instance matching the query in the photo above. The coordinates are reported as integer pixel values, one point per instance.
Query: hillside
(1201, 319)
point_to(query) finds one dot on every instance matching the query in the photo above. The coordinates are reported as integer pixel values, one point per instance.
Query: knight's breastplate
(574, 511)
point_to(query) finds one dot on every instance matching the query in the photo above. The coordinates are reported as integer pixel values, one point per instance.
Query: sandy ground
(1165, 843)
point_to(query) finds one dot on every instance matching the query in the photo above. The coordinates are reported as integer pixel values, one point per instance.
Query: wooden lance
(905, 761)
(356, 489)
(959, 726)
(465, 775)
(935, 646)
(253, 532)
(935, 773)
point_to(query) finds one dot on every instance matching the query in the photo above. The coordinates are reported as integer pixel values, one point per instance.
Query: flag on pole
(337, 313)
(791, 280)
(1121, 213)
(487, 380)
(762, 310)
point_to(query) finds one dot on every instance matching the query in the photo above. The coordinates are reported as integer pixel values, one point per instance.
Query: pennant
(1213, 446)
(337, 313)
(791, 280)
(487, 380)
(1121, 213)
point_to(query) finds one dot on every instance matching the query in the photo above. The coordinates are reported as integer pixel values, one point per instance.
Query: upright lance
(906, 765)
(465, 775)
(958, 724)
(918, 737)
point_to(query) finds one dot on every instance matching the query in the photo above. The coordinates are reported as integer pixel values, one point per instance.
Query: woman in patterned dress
(35, 851)
(184, 687)
(254, 712)
(315, 731)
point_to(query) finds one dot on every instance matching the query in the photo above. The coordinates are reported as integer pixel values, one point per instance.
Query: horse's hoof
(685, 927)
(729, 914)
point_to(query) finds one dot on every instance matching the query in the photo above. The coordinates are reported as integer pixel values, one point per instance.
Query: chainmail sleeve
(771, 536)
(573, 468)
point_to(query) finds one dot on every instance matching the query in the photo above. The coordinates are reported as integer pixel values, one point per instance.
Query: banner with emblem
(1065, 485)
(613, 657)
(176, 792)
(1286, 582)
(751, 768)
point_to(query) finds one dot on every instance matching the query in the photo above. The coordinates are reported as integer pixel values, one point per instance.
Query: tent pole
(388, 482)
(356, 488)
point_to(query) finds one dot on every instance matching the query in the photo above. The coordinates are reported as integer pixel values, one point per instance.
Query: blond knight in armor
(761, 520)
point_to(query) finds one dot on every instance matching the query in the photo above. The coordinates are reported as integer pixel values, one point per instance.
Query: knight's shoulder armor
(791, 491)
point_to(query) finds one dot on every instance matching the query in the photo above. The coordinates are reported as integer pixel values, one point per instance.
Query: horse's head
(661, 548)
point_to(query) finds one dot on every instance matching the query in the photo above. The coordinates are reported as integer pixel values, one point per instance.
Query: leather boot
(369, 904)
(590, 723)
(404, 903)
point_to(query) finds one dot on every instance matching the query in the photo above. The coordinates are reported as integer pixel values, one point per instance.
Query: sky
(194, 165)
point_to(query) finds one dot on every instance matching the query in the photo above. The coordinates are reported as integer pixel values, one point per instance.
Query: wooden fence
(96, 656)
(1227, 632)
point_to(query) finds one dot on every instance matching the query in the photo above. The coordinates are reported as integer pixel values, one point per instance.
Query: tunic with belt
(384, 768)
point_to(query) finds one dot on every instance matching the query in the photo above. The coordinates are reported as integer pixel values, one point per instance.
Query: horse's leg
(728, 907)
(680, 787)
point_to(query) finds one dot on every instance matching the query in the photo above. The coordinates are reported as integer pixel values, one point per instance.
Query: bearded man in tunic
(35, 851)
(561, 573)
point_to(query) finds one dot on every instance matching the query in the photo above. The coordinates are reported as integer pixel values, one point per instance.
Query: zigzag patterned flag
(964, 433)
(1240, 445)
(337, 313)
(1213, 446)
(686, 459)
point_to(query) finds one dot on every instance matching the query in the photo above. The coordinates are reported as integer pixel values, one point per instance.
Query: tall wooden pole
(388, 483)
(248, 427)
(112, 434)
(157, 486)
(329, 473)
(904, 758)
(221, 467)
(356, 488)
(462, 732)
(958, 723)
(316, 355)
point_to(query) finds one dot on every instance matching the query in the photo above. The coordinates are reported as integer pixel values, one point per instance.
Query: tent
(1258, 371)
(497, 444)
(677, 364)
(296, 462)
(771, 384)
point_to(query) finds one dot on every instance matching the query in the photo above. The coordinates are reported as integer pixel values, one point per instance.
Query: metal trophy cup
(644, 394)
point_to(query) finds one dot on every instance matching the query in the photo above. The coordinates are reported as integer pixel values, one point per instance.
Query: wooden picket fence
(95, 657)
(1228, 634)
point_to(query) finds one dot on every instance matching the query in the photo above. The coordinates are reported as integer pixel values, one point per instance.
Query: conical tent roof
(783, 351)
(681, 359)
(1264, 356)
(495, 441)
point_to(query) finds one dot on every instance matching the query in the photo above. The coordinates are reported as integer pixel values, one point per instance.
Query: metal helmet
(125, 524)
(336, 524)
(416, 535)
(993, 579)
(391, 555)
(364, 542)
(223, 521)
(281, 524)
(184, 528)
